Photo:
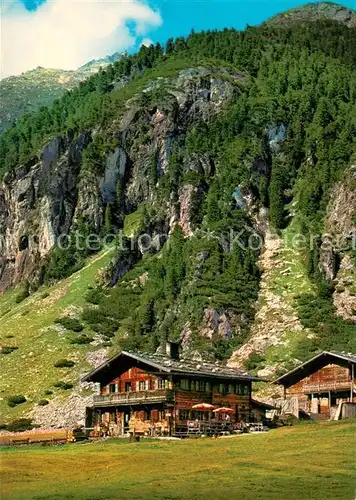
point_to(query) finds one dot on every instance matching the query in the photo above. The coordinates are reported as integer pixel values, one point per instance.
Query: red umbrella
(203, 406)
(224, 410)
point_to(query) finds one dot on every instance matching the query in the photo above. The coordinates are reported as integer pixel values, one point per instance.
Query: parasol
(203, 406)
(224, 410)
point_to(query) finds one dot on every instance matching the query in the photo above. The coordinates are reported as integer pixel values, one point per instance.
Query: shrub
(82, 339)
(21, 425)
(100, 322)
(70, 323)
(43, 402)
(23, 293)
(63, 385)
(254, 361)
(64, 363)
(15, 400)
(62, 263)
(7, 349)
(44, 295)
(93, 296)
(48, 392)
(21, 296)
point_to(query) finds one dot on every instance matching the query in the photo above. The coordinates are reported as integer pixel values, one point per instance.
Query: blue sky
(68, 33)
(180, 16)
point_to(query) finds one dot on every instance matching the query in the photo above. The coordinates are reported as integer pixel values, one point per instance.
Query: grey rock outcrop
(37, 203)
(50, 194)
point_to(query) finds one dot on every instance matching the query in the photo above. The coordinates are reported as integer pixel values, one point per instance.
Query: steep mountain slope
(40, 87)
(189, 165)
(277, 330)
(41, 342)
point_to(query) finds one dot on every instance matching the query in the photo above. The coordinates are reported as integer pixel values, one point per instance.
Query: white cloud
(68, 33)
(147, 42)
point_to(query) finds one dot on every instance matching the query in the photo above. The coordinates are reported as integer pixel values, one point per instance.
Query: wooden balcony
(325, 386)
(133, 398)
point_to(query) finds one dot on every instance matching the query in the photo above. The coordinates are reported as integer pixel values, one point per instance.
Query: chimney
(172, 350)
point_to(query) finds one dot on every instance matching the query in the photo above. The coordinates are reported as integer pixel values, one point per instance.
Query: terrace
(133, 397)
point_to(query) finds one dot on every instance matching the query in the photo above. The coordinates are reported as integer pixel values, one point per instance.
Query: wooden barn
(323, 386)
(154, 394)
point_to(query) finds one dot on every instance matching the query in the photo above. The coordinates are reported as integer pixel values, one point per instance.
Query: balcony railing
(117, 398)
(325, 386)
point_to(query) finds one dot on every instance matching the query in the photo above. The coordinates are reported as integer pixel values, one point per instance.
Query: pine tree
(276, 195)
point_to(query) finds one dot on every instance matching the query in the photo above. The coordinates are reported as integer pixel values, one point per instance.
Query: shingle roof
(189, 366)
(348, 357)
(173, 366)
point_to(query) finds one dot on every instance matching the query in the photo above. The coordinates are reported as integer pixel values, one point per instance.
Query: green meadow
(30, 326)
(306, 462)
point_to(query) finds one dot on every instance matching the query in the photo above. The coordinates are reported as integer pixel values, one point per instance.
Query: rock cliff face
(38, 201)
(337, 259)
(43, 199)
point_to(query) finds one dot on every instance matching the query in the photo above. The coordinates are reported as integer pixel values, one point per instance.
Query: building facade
(154, 394)
(322, 385)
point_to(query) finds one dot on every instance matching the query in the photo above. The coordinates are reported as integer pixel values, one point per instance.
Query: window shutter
(147, 384)
(137, 386)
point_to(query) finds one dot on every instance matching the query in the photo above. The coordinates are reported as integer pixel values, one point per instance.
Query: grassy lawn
(311, 461)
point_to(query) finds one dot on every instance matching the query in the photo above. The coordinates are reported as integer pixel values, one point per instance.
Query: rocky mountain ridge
(32, 89)
(316, 11)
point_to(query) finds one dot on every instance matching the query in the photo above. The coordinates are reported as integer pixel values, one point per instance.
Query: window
(142, 385)
(222, 388)
(201, 385)
(112, 388)
(208, 387)
(127, 386)
(148, 415)
(185, 384)
(161, 383)
(246, 390)
(183, 414)
(231, 389)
